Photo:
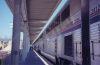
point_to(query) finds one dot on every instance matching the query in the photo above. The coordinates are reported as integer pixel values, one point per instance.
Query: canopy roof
(36, 13)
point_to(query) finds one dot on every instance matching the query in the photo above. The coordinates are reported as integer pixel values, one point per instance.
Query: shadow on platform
(31, 59)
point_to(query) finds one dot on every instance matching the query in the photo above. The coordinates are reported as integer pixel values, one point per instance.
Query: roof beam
(34, 32)
(36, 28)
(37, 21)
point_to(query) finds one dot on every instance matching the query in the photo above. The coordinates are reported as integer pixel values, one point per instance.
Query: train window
(68, 49)
(43, 46)
(57, 21)
(65, 14)
(96, 8)
(53, 25)
(99, 6)
(92, 11)
(47, 30)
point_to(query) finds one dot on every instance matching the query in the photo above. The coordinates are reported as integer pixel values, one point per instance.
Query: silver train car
(61, 43)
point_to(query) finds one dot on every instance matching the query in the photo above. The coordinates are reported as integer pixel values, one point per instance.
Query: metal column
(16, 32)
(85, 32)
(26, 41)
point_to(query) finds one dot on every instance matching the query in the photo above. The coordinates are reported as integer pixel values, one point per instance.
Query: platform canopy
(36, 13)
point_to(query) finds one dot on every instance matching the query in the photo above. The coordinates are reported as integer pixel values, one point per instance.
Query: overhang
(36, 13)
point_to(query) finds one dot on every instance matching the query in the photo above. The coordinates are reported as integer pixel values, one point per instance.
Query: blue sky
(6, 18)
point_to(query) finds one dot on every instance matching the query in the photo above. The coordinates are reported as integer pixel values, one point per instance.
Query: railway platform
(31, 59)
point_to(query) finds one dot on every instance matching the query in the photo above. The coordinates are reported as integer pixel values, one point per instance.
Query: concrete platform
(31, 59)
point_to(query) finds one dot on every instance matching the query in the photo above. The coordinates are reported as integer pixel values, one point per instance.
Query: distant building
(4, 43)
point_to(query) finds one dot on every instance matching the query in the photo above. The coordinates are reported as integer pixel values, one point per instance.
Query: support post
(26, 41)
(16, 32)
(85, 32)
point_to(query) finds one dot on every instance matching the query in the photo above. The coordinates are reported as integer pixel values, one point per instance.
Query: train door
(68, 49)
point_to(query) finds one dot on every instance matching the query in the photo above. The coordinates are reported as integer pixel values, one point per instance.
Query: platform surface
(31, 59)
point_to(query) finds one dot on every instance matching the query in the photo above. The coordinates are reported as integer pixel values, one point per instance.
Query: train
(61, 42)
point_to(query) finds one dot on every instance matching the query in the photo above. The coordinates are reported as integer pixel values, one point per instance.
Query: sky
(6, 18)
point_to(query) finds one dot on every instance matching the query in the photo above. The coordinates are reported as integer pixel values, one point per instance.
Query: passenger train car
(61, 42)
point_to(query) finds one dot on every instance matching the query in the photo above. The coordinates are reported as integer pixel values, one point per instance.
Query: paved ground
(31, 59)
